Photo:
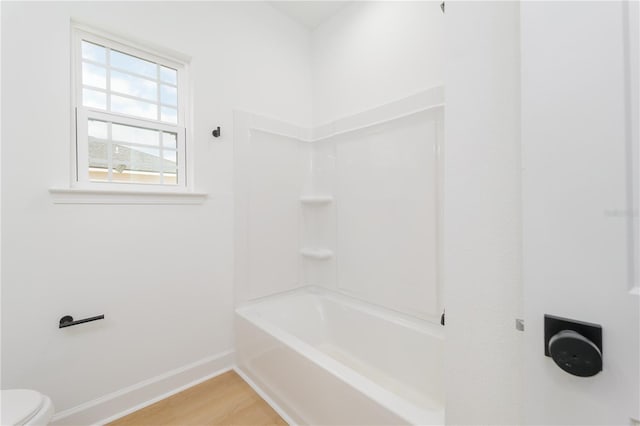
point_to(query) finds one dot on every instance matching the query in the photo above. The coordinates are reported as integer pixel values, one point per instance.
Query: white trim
(632, 106)
(378, 122)
(282, 413)
(111, 196)
(150, 47)
(132, 398)
(361, 127)
(423, 100)
(282, 134)
(431, 99)
(132, 48)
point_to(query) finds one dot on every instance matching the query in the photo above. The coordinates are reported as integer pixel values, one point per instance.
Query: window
(129, 116)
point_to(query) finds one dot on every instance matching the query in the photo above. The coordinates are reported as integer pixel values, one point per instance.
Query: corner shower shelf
(316, 199)
(317, 253)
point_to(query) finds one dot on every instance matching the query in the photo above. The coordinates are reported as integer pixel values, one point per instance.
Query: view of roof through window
(123, 84)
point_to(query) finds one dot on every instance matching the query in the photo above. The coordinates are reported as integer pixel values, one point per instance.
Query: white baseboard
(132, 398)
(282, 413)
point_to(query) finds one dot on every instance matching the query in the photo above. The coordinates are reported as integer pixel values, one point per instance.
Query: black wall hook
(67, 320)
(216, 132)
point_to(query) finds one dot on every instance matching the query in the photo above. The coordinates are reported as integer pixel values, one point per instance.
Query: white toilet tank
(25, 407)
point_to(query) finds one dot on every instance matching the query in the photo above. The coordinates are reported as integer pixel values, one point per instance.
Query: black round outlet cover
(575, 354)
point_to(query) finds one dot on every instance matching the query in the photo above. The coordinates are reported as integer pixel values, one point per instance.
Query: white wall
(162, 275)
(575, 207)
(482, 280)
(372, 53)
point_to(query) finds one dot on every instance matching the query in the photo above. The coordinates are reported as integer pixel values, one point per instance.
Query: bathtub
(322, 358)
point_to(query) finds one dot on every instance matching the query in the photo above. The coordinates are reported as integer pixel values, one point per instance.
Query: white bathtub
(326, 359)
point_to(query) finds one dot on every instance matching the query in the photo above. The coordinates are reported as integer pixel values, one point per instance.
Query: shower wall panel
(353, 206)
(272, 165)
(387, 213)
(277, 171)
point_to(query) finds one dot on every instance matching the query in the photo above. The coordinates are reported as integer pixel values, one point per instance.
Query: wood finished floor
(223, 400)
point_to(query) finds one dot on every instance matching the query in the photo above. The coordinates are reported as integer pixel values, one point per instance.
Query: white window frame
(81, 115)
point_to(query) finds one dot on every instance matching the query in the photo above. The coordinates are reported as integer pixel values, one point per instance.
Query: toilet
(25, 407)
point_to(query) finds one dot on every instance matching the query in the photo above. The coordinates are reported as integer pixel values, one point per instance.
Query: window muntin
(129, 115)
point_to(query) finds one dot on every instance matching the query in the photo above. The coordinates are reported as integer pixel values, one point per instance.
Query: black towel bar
(67, 320)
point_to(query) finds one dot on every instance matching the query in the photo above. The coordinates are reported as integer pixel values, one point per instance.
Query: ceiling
(309, 13)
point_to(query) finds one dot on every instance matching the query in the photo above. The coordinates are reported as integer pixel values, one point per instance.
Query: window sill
(102, 196)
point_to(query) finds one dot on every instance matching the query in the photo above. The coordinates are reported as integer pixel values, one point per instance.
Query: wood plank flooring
(223, 400)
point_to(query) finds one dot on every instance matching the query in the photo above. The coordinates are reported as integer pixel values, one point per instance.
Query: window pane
(169, 75)
(134, 65)
(121, 83)
(170, 115)
(93, 75)
(93, 52)
(123, 133)
(168, 95)
(98, 162)
(134, 86)
(133, 107)
(99, 174)
(93, 99)
(170, 178)
(136, 164)
(135, 158)
(97, 129)
(97, 153)
(169, 140)
(170, 157)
